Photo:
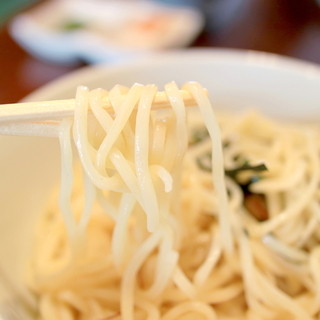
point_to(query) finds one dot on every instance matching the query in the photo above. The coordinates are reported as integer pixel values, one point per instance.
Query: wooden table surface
(286, 27)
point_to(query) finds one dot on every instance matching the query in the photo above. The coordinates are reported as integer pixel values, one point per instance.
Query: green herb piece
(255, 203)
(246, 166)
(72, 25)
(246, 232)
(199, 135)
(204, 162)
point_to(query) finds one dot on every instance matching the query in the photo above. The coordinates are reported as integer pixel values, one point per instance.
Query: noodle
(180, 213)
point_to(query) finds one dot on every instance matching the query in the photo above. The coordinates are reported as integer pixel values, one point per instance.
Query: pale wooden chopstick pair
(42, 118)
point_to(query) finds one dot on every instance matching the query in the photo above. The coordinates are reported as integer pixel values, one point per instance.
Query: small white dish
(104, 31)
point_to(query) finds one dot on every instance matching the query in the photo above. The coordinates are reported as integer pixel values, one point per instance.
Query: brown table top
(286, 27)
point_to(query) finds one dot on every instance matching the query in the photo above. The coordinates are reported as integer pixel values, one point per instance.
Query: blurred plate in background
(104, 31)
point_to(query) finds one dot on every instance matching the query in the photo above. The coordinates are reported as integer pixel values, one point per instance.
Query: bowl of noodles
(204, 207)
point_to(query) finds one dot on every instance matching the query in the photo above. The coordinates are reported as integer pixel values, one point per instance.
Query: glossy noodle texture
(179, 213)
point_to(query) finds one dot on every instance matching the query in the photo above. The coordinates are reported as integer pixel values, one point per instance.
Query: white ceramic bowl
(29, 167)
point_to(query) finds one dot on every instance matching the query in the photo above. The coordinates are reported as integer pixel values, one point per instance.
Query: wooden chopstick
(41, 118)
(59, 109)
(36, 111)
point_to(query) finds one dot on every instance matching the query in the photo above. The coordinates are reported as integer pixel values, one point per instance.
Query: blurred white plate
(96, 31)
(29, 167)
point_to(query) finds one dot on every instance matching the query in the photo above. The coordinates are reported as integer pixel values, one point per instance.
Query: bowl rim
(252, 58)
